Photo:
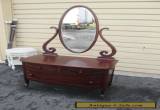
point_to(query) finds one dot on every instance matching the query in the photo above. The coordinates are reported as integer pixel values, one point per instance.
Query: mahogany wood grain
(70, 61)
(70, 71)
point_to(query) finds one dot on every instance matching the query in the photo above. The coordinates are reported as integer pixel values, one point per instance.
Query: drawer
(34, 74)
(32, 66)
(72, 72)
(82, 72)
(94, 72)
(69, 74)
(65, 70)
(91, 82)
(41, 68)
(50, 69)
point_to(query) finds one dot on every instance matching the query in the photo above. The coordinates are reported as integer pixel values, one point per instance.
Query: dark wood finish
(104, 53)
(97, 28)
(50, 50)
(12, 33)
(66, 70)
(72, 71)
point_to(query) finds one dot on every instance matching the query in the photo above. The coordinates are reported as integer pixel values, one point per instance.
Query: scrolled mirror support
(105, 53)
(50, 50)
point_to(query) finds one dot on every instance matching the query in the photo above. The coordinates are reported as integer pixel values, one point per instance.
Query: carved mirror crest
(78, 31)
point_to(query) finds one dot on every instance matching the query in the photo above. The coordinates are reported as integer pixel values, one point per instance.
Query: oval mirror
(78, 29)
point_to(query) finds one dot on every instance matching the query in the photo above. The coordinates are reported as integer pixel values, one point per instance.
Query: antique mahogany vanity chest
(77, 37)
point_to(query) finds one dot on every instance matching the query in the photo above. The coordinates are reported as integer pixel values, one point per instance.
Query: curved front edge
(50, 50)
(105, 53)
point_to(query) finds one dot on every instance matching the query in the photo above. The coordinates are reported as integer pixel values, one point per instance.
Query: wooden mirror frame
(96, 22)
(103, 53)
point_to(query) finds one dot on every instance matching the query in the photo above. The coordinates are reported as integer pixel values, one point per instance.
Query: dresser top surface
(71, 61)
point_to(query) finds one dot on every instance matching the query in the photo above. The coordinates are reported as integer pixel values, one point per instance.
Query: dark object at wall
(12, 33)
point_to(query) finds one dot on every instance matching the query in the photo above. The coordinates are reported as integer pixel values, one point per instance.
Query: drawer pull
(30, 75)
(90, 82)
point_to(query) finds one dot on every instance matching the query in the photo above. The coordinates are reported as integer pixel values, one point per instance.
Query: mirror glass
(78, 29)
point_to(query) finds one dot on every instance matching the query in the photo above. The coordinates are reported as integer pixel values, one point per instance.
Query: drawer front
(39, 71)
(32, 66)
(64, 74)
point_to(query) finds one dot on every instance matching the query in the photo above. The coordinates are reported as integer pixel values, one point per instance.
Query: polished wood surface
(70, 71)
(96, 22)
(70, 61)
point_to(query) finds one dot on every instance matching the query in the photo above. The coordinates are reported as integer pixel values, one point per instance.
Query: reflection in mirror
(78, 29)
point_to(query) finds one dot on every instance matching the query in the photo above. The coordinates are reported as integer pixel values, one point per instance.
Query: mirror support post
(105, 53)
(50, 50)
